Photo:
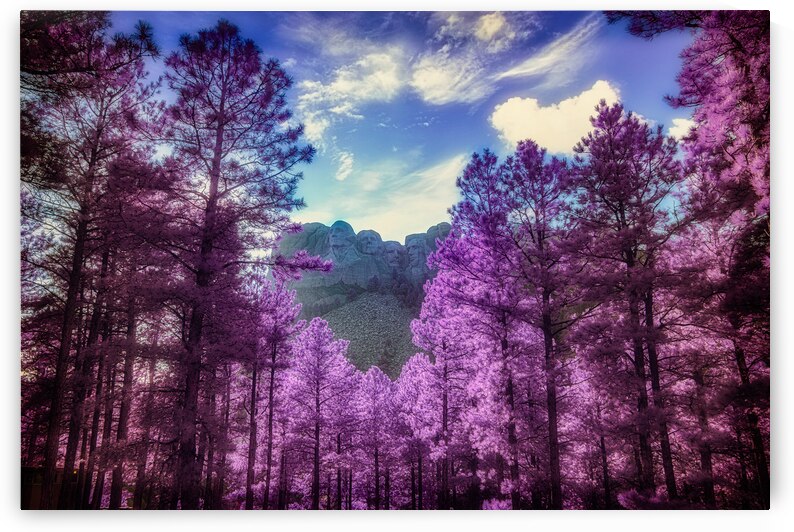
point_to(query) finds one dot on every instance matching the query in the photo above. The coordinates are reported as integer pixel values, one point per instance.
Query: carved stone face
(341, 235)
(416, 252)
(369, 242)
(442, 230)
(393, 252)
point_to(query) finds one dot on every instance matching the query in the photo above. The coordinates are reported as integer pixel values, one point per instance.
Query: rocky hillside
(378, 328)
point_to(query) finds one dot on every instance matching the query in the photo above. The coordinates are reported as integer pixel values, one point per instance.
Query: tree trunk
(77, 495)
(377, 479)
(637, 463)
(744, 484)
(85, 496)
(338, 488)
(707, 473)
(454, 500)
(201, 452)
(551, 405)
(99, 488)
(227, 399)
(338, 472)
(413, 487)
(143, 452)
(350, 488)
(316, 461)
(52, 445)
(387, 490)
(658, 398)
(443, 497)
(282, 481)
(116, 485)
(741, 361)
(438, 485)
(420, 482)
(209, 492)
(82, 377)
(249, 477)
(604, 464)
(189, 476)
(339, 497)
(328, 490)
(173, 502)
(605, 473)
(270, 414)
(512, 437)
(474, 494)
(759, 453)
(208, 488)
(646, 479)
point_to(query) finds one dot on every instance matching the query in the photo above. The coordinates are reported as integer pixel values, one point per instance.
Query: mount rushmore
(373, 291)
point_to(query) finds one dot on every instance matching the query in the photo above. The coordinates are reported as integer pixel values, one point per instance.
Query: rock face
(373, 291)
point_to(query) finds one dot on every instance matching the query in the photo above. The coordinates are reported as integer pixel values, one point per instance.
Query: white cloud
(489, 25)
(556, 127)
(495, 30)
(315, 125)
(560, 59)
(680, 128)
(345, 168)
(374, 77)
(445, 76)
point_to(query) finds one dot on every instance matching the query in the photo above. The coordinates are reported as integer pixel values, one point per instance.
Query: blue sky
(396, 103)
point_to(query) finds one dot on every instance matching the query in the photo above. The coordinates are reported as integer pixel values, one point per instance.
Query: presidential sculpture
(373, 287)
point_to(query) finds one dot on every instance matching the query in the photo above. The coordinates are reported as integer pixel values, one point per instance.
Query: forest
(595, 334)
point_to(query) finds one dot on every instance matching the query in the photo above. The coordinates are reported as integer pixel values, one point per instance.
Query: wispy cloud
(457, 67)
(374, 77)
(492, 32)
(326, 35)
(345, 168)
(446, 76)
(556, 127)
(559, 60)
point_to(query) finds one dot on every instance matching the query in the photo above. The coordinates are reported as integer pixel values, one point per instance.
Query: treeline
(596, 335)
